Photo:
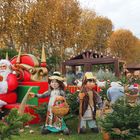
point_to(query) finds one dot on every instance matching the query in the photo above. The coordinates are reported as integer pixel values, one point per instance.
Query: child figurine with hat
(89, 99)
(56, 89)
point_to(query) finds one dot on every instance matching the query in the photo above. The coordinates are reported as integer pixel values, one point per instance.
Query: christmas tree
(11, 124)
(123, 123)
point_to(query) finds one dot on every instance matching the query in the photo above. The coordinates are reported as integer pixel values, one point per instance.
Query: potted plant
(132, 93)
(123, 123)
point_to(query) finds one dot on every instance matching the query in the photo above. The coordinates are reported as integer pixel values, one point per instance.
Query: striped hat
(57, 76)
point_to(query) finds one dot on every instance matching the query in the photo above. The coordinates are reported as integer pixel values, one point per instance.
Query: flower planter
(106, 136)
(132, 98)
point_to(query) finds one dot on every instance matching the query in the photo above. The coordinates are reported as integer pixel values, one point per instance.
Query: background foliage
(63, 28)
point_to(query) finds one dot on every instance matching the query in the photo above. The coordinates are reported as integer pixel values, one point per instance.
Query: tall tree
(136, 53)
(95, 30)
(53, 23)
(63, 26)
(103, 29)
(86, 33)
(122, 43)
(24, 29)
(8, 18)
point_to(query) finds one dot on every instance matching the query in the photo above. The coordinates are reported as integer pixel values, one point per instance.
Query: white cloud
(123, 13)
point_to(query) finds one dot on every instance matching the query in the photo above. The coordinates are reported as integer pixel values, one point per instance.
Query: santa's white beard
(4, 73)
(4, 84)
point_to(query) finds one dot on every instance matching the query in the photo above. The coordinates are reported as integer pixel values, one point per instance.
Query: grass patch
(72, 125)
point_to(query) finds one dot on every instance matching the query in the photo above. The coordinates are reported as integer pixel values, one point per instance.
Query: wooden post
(116, 67)
(63, 69)
(87, 67)
(74, 69)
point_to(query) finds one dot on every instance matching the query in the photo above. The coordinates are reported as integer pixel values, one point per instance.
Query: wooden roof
(91, 57)
(133, 67)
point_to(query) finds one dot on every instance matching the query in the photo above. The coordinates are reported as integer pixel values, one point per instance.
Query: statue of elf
(53, 123)
(89, 99)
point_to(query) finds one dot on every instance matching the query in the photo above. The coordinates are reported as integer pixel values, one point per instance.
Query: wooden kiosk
(89, 58)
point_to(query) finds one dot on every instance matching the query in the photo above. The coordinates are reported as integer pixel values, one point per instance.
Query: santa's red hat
(135, 85)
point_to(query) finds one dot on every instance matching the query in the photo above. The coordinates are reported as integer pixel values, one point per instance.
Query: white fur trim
(2, 103)
(3, 87)
(14, 72)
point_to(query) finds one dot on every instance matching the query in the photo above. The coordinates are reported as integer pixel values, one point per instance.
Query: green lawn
(38, 136)
(72, 125)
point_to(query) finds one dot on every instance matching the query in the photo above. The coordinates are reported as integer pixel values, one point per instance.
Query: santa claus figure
(8, 83)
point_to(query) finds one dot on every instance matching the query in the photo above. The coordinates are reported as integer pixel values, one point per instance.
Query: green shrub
(41, 110)
(11, 124)
(123, 122)
(72, 100)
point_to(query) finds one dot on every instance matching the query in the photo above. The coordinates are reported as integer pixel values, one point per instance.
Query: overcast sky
(123, 13)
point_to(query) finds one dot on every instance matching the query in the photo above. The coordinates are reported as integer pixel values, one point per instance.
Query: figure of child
(53, 123)
(89, 99)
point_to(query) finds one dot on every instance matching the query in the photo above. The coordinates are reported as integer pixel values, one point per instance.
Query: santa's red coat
(10, 96)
